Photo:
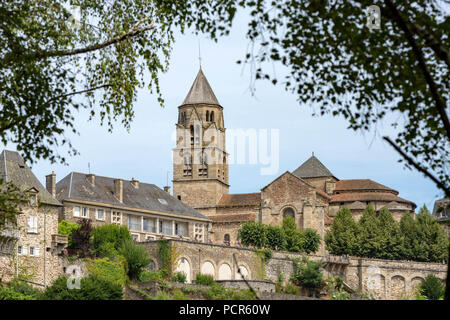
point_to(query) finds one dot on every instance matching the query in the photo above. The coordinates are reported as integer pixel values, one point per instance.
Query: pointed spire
(312, 168)
(200, 91)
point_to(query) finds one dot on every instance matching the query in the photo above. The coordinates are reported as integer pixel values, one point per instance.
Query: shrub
(112, 271)
(178, 277)
(275, 238)
(432, 287)
(137, 257)
(341, 237)
(291, 289)
(155, 275)
(67, 228)
(91, 288)
(178, 295)
(81, 238)
(24, 288)
(252, 233)
(107, 239)
(294, 238)
(307, 273)
(11, 294)
(311, 241)
(204, 279)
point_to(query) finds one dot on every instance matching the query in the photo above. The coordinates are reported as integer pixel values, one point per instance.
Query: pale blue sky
(145, 152)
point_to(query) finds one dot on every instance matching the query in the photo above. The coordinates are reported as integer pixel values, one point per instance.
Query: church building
(311, 194)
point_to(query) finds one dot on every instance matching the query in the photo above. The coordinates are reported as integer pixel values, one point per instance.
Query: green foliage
(164, 254)
(178, 277)
(24, 288)
(295, 239)
(67, 228)
(11, 294)
(155, 275)
(136, 256)
(108, 270)
(307, 273)
(252, 234)
(204, 279)
(380, 236)
(335, 288)
(218, 292)
(432, 288)
(91, 288)
(107, 239)
(178, 295)
(275, 238)
(291, 289)
(311, 241)
(341, 237)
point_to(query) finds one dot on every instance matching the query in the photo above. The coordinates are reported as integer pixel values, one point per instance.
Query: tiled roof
(200, 91)
(239, 217)
(360, 185)
(147, 196)
(312, 168)
(323, 193)
(357, 205)
(240, 200)
(368, 196)
(14, 169)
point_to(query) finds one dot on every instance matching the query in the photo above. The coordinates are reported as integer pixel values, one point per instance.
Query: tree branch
(62, 53)
(439, 184)
(77, 92)
(433, 88)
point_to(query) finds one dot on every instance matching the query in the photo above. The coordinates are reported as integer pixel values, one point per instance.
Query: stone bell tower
(200, 162)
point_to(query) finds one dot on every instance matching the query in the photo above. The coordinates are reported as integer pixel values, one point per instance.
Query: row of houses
(33, 250)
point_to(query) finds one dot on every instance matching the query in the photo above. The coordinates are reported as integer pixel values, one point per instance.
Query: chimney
(135, 183)
(118, 189)
(50, 183)
(91, 178)
(167, 189)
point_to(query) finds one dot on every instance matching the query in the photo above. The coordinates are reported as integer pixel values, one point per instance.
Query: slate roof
(240, 199)
(200, 91)
(77, 187)
(312, 168)
(361, 185)
(14, 169)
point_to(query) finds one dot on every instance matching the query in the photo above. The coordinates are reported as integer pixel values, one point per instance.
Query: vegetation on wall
(81, 238)
(287, 237)
(136, 256)
(307, 273)
(432, 288)
(108, 238)
(109, 270)
(378, 235)
(67, 228)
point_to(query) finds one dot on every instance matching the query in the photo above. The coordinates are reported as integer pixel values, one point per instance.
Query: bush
(81, 238)
(311, 241)
(24, 288)
(11, 294)
(252, 234)
(67, 228)
(432, 288)
(105, 269)
(91, 288)
(107, 239)
(291, 289)
(137, 257)
(307, 273)
(178, 277)
(275, 238)
(204, 279)
(155, 275)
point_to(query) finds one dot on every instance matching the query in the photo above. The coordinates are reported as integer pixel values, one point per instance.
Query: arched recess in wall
(398, 287)
(151, 266)
(415, 282)
(224, 272)
(376, 285)
(184, 266)
(244, 272)
(288, 211)
(208, 268)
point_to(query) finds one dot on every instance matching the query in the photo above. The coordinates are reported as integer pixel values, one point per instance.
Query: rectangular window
(134, 223)
(116, 218)
(32, 251)
(100, 214)
(181, 229)
(19, 250)
(198, 232)
(32, 224)
(24, 251)
(76, 211)
(165, 227)
(135, 237)
(84, 212)
(149, 225)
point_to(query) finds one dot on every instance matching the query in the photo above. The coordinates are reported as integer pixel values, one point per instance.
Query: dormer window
(162, 201)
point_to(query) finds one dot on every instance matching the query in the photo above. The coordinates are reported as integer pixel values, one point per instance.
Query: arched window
(207, 115)
(226, 239)
(151, 265)
(212, 116)
(192, 134)
(288, 212)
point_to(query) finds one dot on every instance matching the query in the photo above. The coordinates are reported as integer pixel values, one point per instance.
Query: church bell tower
(200, 162)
